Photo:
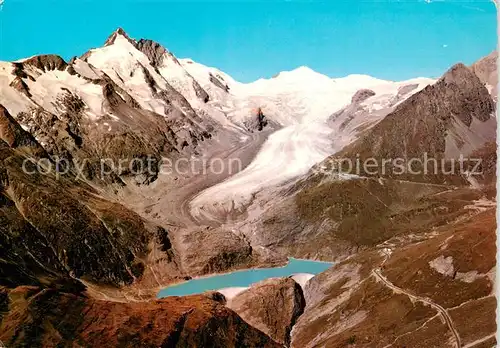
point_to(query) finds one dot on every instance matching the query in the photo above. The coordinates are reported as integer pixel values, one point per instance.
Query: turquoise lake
(244, 277)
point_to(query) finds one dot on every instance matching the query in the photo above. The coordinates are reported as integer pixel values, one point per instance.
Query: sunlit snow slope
(302, 101)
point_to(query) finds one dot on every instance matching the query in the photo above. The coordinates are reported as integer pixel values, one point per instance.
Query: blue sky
(387, 39)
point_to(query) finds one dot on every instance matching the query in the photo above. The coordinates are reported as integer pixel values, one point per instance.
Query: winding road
(442, 311)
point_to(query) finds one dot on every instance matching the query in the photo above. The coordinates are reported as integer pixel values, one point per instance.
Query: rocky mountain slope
(486, 70)
(83, 240)
(436, 293)
(414, 237)
(453, 116)
(46, 318)
(82, 111)
(57, 226)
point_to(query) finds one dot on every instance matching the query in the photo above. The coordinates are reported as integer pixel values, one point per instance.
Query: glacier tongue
(307, 137)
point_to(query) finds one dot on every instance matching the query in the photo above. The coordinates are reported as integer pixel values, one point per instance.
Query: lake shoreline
(228, 280)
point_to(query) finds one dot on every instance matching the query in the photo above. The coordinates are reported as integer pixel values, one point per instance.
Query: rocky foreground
(436, 292)
(45, 317)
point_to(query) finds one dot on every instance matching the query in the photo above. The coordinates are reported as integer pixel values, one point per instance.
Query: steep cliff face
(34, 317)
(272, 306)
(44, 62)
(16, 137)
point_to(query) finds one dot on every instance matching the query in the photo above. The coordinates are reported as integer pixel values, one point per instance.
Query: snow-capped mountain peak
(301, 73)
(147, 72)
(120, 34)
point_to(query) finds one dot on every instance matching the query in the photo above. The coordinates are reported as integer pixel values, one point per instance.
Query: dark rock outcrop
(218, 81)
(153, 50)
(46, 62)
(15, 136)
(272, 306)
(59, 231)
(200, 92)
(348, 305)
(362, 95)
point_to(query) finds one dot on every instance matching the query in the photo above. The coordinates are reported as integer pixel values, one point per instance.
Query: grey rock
(362, 95)
(272, 306)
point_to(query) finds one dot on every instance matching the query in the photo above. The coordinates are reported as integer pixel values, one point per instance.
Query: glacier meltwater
(244, 278)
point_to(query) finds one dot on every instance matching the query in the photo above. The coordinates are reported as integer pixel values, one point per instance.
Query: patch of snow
(443, 265)
(230, 293)
(468, 277)
(302, 278)
(463, 139)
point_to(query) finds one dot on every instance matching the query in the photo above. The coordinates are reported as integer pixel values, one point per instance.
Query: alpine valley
(217, 176)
